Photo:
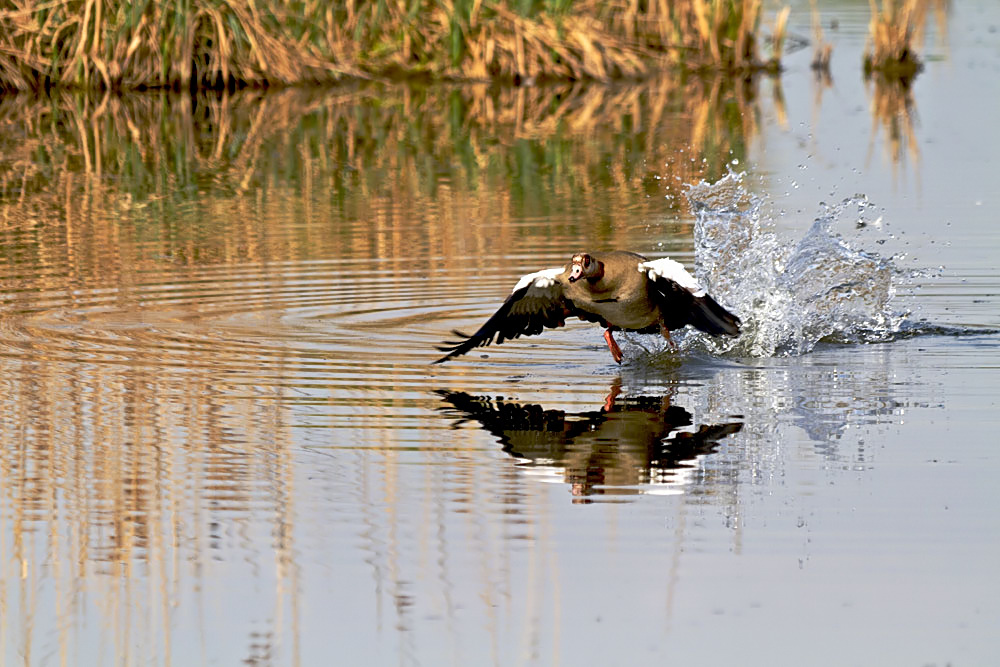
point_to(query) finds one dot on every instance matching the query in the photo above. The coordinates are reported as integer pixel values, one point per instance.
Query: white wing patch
(671, 270)
(543, 279)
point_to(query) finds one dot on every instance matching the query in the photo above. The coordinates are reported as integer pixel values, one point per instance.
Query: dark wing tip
(711, 317)
(453, 348)
(528, 319)
(702, 312)
(456, 348)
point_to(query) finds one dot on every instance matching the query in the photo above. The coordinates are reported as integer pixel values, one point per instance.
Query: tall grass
(111, 44)
(893, 34)
(167, 43)
(822, 50)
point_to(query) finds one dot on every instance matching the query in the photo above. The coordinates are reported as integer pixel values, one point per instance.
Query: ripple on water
(250, 318)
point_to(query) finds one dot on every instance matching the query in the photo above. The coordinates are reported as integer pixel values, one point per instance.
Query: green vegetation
(111, 44)
(590, 147)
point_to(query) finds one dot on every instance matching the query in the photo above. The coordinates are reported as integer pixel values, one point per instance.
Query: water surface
(223, 440)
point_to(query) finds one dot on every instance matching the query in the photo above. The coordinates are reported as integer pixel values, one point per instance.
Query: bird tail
(712, 318)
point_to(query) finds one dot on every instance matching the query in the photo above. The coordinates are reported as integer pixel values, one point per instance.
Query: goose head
(585, 266)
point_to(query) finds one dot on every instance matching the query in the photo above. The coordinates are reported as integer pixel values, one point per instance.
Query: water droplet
(794, 294)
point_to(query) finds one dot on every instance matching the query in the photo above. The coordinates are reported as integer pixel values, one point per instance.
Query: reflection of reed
(97, 487)
(350, 138)
(114, 178)
(892, 109)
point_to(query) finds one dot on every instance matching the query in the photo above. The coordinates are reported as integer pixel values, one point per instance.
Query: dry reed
(893, 34)
(109, 44)
(822, 49)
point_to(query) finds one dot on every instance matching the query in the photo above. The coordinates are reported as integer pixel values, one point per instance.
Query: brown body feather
(614, 290)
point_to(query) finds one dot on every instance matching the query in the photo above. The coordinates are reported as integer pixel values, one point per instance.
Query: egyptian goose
(618, 290)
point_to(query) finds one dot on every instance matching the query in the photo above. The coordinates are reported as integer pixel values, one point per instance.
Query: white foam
(671, 270)
(831, 284)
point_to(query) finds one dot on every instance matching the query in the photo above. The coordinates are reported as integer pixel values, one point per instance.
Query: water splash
(792, 295)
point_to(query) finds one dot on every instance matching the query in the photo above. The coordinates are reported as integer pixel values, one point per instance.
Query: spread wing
(683, 301)
(536, 302)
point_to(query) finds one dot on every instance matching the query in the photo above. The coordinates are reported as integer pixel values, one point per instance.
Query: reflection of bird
(618, 290)
(630, 441)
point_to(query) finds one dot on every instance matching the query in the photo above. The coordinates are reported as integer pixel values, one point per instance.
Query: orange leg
(616, 351)
(609, 400)
(666, 334)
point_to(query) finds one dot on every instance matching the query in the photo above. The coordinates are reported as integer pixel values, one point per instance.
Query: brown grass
(117, 45)
(893, 34)
(822, 50)
(109, 44)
